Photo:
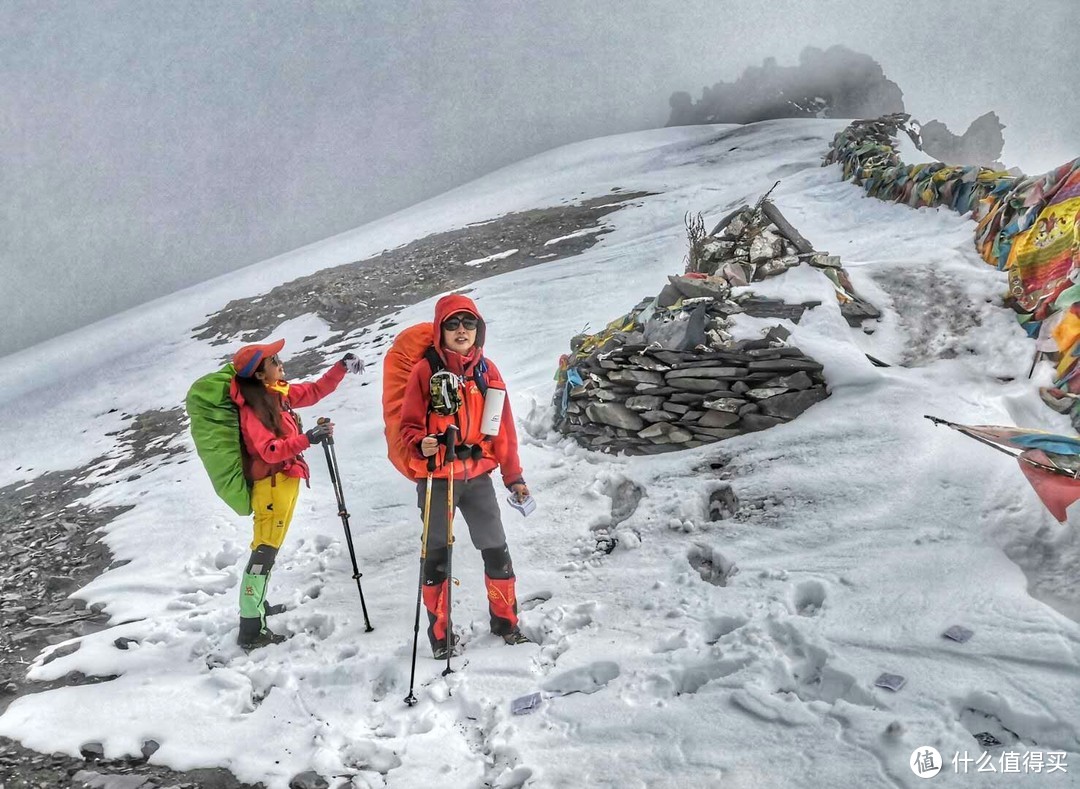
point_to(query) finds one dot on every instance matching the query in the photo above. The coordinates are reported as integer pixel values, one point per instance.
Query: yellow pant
(273, 501)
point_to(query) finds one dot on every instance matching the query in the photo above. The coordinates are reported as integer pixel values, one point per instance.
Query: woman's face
(459, 332)
(272, 371)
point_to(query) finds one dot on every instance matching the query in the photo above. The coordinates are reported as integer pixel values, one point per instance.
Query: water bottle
(491, 419)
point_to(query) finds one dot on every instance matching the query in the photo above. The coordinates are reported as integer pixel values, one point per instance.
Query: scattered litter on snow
(891, 682)
(958, 633)
(525, 704)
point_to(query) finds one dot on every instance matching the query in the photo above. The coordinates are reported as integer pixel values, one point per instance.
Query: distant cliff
(981, 144)
(834, 83)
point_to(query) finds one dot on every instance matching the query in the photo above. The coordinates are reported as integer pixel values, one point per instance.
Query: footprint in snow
(719, 626)
(809, 598)
(711, 565)
(587, 679)
(533, 600)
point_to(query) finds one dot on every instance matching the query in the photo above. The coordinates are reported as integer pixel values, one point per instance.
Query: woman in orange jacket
(273, 442)
(464, 378)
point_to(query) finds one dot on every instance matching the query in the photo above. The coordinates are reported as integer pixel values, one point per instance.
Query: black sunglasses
(452, 323)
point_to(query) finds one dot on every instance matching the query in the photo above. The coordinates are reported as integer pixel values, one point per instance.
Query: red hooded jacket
(418, 421)
(269, 453)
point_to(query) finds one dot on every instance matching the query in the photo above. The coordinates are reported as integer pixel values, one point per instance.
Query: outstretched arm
(302, 395)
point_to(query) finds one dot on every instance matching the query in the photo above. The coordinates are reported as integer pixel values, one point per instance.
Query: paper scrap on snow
(958, 633)
(523, 705)
(891, 682)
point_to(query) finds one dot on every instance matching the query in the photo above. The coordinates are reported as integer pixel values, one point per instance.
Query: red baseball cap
(248, 358)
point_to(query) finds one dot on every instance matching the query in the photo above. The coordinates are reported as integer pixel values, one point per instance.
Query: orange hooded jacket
(418, 421)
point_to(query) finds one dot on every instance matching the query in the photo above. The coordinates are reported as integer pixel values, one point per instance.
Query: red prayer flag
(1056, 491)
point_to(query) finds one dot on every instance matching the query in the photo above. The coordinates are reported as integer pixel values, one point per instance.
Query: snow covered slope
(864, 531)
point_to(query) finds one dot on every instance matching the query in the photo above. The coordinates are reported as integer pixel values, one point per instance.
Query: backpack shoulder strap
(434, 361)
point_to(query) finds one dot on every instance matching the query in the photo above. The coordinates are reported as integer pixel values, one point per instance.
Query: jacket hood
(234, 392)
(449, 305)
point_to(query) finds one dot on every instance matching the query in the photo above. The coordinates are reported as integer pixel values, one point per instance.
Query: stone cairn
(668, 375)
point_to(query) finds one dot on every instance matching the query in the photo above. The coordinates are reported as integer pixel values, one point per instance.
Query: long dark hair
(267, 405)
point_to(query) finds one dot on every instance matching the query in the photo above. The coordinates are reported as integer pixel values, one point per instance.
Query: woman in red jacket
(466, 374)
(273, 440)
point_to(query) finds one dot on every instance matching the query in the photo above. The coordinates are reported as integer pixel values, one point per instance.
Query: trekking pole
(451, 457)
(335, 480)
(411, 698)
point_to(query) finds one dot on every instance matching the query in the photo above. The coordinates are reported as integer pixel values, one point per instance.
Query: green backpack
(215, 428)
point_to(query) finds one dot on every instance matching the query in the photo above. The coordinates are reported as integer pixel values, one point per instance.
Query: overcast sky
(150, 145)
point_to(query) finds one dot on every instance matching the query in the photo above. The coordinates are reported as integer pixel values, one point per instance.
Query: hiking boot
(273, 610)
(261, 639)
(515, 636)
(438, 648)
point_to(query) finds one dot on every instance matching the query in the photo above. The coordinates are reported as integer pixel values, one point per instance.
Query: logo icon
(925, 761)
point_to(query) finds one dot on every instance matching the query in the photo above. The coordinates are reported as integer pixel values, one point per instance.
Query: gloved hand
(320, 433)
(353, 363)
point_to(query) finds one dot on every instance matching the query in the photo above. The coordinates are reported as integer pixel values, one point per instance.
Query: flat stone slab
(614, 414)
(785, 366)
(666, 433)
(755, 422)
(694, 384)
(636, 377)
(705, 372)
(644, 402)
(718, 419)
(790, 405)
(728, 404)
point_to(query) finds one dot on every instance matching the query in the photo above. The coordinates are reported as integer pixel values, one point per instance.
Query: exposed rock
(799, 380)
(834, 83)
(718, 419)
(648, 363)
(665, 433)
(789, 406)
(754, 422)
(785, 365)
(308, 780)
(763, 392)
(726, 404)
(92, 751)
(636, 376)
(732, 373)
(659, 416)
(672, 375)
(980, 145)
(644, 402)
(694, 384)
(615, 415)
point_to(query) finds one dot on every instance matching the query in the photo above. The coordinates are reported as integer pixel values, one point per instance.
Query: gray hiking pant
(476, 502)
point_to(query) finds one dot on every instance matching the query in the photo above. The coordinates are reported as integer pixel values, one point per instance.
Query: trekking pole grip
(451, 443)
(322, 420)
